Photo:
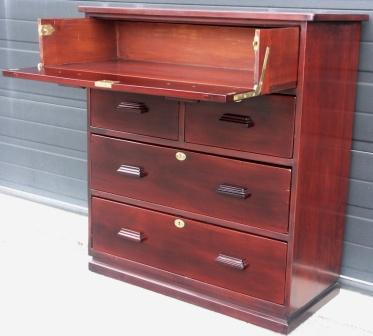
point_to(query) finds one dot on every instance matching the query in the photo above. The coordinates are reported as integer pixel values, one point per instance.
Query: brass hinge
(107, 84)
(256, 41)
(244, 95)
(45, 29)
(257, 90)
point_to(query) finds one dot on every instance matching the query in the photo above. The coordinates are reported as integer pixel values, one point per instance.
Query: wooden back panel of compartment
(200, 45)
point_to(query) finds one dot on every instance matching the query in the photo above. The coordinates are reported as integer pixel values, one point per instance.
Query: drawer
(226, 258)
(133, 113)
(232, 190)
(263, 125)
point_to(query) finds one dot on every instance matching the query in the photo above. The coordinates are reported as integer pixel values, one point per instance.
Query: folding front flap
(185, 61)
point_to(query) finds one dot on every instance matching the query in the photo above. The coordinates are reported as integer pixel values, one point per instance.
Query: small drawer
(133, 113)
(226, 258)
(263, 125)
(232, 190)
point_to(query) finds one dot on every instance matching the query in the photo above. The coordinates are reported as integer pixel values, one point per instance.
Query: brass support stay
(258, 86)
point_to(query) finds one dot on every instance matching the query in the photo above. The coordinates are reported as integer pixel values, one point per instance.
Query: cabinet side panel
(77, 41)
(327, 105)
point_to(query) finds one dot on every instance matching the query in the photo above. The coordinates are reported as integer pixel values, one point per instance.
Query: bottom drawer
(226, 258)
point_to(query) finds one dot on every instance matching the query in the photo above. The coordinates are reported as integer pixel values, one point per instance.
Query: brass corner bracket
(45, 29)
(107, 84)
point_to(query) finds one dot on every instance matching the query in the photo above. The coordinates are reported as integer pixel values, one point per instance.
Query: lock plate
(179, 223)
(180, 156)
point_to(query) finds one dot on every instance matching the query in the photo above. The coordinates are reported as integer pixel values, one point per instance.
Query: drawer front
(226, 258)
(237, 191)
(263, 125)
(133, 113)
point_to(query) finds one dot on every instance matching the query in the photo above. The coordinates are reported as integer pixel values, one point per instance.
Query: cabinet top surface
(151, 13)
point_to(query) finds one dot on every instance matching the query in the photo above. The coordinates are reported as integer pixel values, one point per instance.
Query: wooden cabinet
(219, 148)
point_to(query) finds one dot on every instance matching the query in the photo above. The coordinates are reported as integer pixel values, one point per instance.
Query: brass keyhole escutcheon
(180, 156)
(179, 223)
(255, 45)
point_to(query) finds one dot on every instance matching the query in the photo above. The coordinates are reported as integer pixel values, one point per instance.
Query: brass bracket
(107, 84)
(244, 95)
(257, 90)
(264, 69)
(45, 29)
(256, 41)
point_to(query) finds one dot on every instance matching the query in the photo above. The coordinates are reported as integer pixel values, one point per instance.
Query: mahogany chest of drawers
(219, 148)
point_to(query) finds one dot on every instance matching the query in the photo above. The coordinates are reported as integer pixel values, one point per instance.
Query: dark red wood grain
(67, 75)
(174, 14)
(282, 67)
(266, 196)
(181, 144)
(191, 251)
(186, 44)
(272, 132)
(128, 53)
(327, 107)
(192, 184)
(77, 40)
(159, 120)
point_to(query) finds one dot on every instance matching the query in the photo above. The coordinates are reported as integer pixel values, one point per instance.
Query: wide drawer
(134, 113)
(262, 125)
(232, 190)
(230, 259)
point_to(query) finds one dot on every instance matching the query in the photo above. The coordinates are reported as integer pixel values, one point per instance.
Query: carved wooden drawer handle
(234, 191)
(231, 261)
(131, 171)
(128, 234)
(132, 107)
(238, 119)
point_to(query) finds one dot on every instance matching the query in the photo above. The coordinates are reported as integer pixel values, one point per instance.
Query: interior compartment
(196, 61)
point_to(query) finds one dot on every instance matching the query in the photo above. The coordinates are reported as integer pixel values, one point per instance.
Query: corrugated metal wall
(42, 126)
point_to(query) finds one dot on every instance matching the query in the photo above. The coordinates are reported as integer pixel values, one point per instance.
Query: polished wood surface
(323, 156)
(129, 54)
(192, 184)
(186, 44)
(155, 117)
(167, 247)
(271, 130)
(181, 144)
(125, 70)
(192, 215)
(237, 207)
(262, 313)
(174, 14)
(76, 41)
(282, 68)
(160, 87)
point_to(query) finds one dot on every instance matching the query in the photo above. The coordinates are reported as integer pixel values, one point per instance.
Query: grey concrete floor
(46, 289)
